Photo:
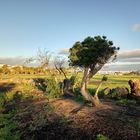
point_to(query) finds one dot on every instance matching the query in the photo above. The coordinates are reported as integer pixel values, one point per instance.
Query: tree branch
(94, 70)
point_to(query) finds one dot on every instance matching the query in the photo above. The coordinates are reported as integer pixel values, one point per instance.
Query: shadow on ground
(4, 87)
(39, 119)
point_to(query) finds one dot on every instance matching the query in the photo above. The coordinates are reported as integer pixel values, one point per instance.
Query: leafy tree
(92, 54)
(5, 69)
(17, 69)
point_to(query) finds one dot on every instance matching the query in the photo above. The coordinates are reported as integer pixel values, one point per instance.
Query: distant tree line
(5, 69)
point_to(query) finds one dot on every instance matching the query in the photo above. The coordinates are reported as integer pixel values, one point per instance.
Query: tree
(68, 83)
(17, 69)
(5, 69)
(59, 65)
(43, 58)
(92, 54)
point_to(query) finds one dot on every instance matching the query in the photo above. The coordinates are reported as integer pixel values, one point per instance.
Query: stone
(135, 88)
(120, 92)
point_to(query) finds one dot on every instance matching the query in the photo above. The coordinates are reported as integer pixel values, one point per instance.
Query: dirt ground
(56, 119)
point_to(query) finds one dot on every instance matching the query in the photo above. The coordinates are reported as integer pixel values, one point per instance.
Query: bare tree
(59, 65)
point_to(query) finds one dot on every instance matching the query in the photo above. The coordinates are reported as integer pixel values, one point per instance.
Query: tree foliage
(92, 52)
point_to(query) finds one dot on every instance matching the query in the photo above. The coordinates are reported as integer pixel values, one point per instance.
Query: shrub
(53, 88)
(41, 83)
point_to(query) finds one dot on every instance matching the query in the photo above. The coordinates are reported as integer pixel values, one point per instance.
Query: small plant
(101, 137)
(17, 96)
(136, 124)
(126, 101)
(63, 120)
(40, 122)
(48, 107)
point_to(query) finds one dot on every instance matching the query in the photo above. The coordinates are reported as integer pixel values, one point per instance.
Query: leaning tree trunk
(94, 100)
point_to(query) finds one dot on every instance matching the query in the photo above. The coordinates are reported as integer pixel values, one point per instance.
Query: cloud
(130, 57)
(131, 60)
(12, 60)
(135, 27)
(126, 61)
(64, 51)
(127, 67)
(129, 54)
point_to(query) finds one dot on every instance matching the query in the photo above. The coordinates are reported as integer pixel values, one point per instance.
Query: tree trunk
(94, 100)
(85, 93)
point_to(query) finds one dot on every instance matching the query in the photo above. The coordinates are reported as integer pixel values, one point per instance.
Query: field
(26, 112)
(114, 80)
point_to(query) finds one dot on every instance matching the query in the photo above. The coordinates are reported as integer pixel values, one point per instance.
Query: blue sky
(26, 25)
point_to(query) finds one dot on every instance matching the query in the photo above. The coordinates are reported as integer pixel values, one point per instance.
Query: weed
(126, 101)
(8, 127)
(63, 120)
(101, 137)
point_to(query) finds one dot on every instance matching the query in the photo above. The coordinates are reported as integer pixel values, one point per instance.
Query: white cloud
(64, 51)
(19, 60)
(122, 67)
(126, 60)
(129, 54)
(131, 60)
(135, 27)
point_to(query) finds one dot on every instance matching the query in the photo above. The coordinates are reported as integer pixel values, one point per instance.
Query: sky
(26, 25)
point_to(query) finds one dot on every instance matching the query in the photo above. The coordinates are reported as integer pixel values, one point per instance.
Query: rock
(135, 89)
(119, 92)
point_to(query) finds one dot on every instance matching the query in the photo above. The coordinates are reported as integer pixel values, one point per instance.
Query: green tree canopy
(92, 51)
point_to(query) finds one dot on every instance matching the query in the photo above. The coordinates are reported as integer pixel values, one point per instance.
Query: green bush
(53, 88)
